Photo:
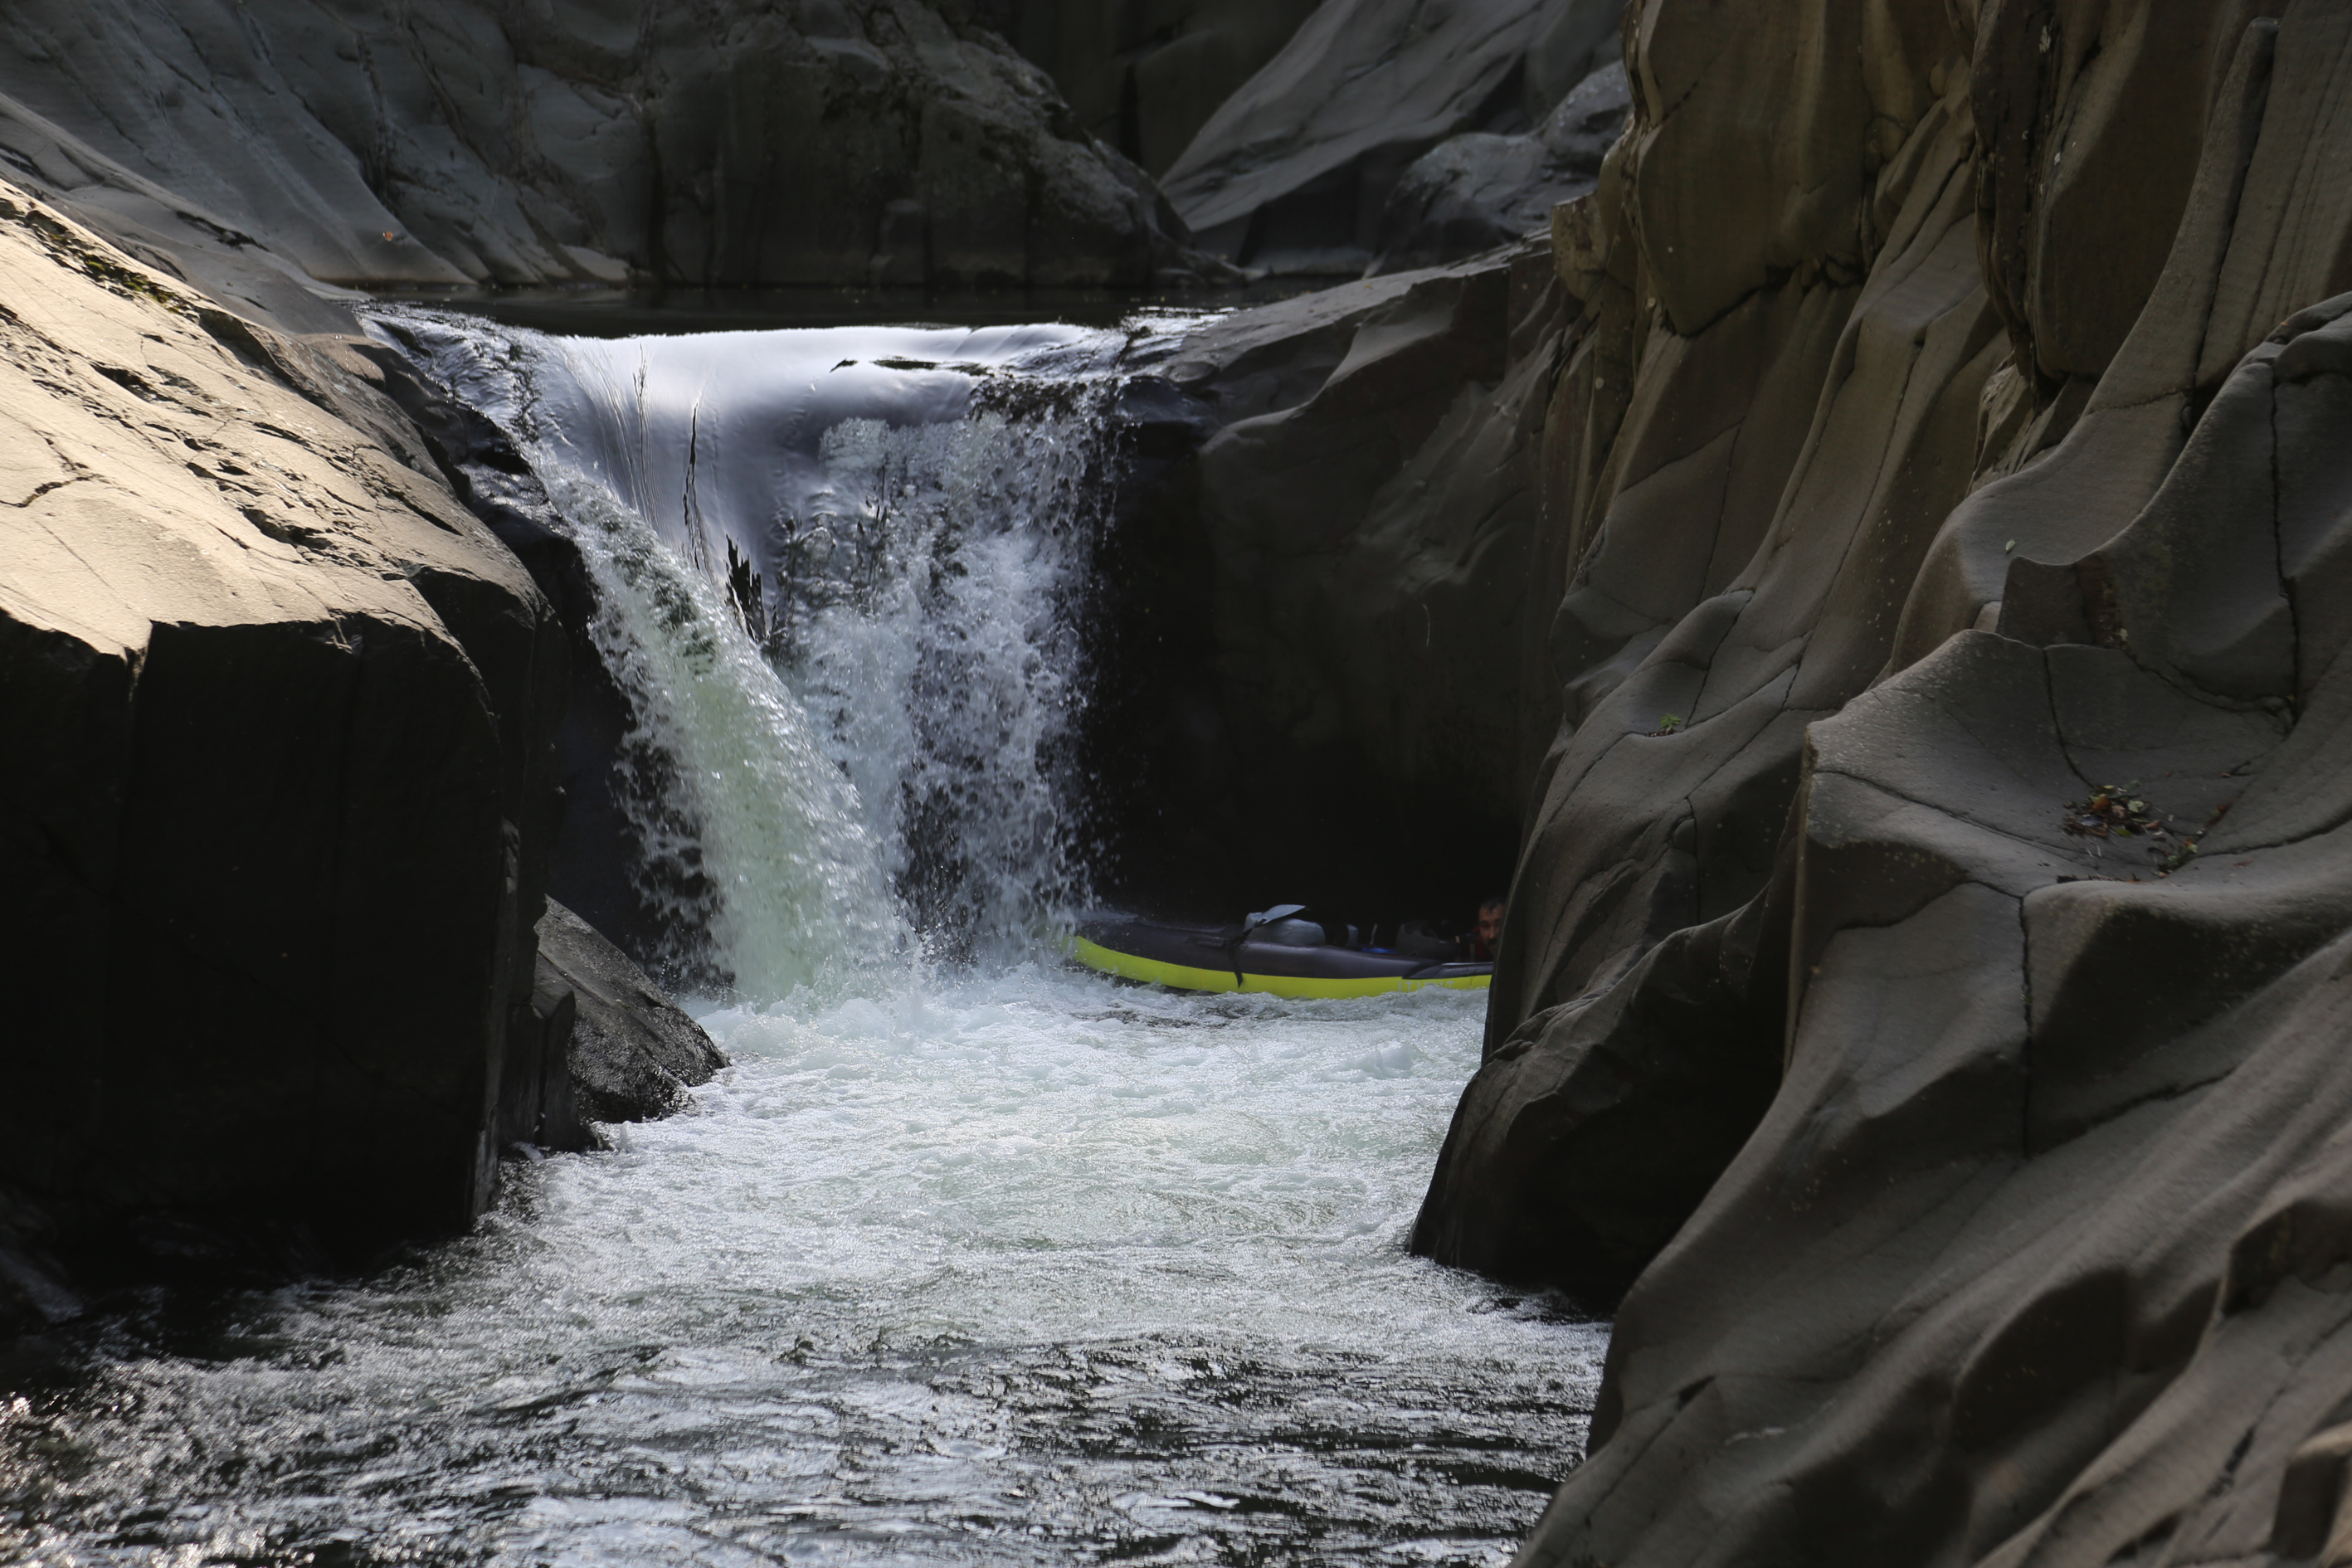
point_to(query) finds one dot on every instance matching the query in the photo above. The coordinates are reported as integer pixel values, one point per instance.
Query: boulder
(1338, 595)
(280, 793)
(256, 146)
(632, 1054)
(1294, 172)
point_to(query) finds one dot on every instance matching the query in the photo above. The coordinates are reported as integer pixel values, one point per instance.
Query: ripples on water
(1038, 1269)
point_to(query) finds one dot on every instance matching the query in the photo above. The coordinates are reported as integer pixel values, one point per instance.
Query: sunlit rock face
(1923, 980)
(715, 142)
(276, 810)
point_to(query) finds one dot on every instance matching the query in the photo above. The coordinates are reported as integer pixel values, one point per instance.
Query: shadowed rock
(1346, 557)
(1478, 191)
(632, 1054)
(280, 797)
(2028, 1247)
(256, 147)
(1293, 171)
(1145, 79)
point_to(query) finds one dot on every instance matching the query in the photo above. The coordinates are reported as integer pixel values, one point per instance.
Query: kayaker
(1487, 935)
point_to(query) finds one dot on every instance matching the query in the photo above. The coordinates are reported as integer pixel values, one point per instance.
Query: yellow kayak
(1208, 958)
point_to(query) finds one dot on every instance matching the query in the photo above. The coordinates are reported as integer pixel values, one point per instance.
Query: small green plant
(1668, 723)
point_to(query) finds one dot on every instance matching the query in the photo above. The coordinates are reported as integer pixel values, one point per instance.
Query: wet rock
(280, 791)
(596, 866)
(1560, 1166)
(632, 1054)
(36, 1290)
(1294, 172)
(255, 148)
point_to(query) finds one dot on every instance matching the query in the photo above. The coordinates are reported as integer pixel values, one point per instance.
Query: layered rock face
(470, 141)
(280, 795)
(1926, 973)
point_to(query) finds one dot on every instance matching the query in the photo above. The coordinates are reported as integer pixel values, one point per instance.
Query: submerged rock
(632, 1054)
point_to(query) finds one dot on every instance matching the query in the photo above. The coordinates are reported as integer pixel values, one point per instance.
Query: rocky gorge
(1868, 557)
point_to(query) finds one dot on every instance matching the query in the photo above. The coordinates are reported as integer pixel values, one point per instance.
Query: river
(970, 1256)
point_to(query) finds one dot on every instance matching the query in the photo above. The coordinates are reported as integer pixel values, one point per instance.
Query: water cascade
(988, 1261)
(837, 570)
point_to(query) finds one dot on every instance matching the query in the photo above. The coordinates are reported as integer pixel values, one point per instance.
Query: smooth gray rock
(1145, 79)
(1293, 171)
(251, 145)
(1477, 191)
(632, 1054)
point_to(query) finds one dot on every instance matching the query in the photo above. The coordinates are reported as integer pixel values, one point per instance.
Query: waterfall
(840, 577)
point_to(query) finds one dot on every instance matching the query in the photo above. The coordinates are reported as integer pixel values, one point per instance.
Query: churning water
(995, 1262)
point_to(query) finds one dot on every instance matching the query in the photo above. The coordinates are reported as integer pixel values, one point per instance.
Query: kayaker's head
(1490, 923)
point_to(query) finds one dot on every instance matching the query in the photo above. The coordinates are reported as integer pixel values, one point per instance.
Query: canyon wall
(1924, 986)
(258, 146)
(1295, 170)
(1145, 79)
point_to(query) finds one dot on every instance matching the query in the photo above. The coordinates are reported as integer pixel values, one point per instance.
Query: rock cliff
(276, 821)
(259, 147)
(1295, 170)
(280, 804)
(1925, 976)
(1145, 79)
(1321, 594)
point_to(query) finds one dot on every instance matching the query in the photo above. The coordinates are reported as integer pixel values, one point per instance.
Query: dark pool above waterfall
(970, 1256)
(630, 312)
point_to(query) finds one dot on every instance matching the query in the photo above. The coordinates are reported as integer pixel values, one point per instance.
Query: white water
(914, 503)
(1003, 1264)
(1029, 1269)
